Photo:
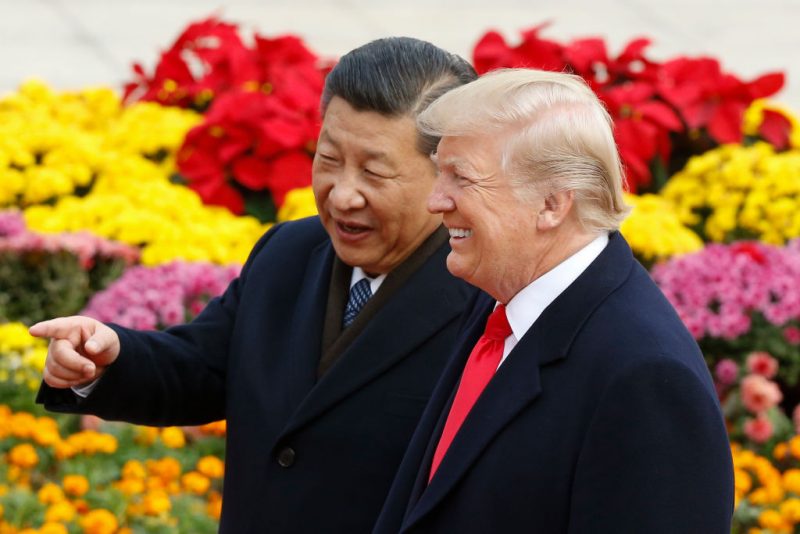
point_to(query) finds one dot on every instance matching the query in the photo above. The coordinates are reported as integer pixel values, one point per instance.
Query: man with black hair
(321, 382)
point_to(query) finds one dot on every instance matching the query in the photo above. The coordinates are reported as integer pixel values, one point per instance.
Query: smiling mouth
(459, 233)
(352, 228)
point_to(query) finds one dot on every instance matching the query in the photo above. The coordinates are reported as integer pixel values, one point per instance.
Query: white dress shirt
(527, 305)
(374, 283)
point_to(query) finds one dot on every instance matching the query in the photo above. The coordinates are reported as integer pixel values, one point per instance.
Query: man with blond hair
(575, 401)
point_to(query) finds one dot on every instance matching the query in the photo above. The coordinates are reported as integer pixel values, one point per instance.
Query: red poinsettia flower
(708, 98)
(642, 126)
(589, 59)
(249, 140)
(492, 52)
(208, 58)
(750, 248)
(776, 129)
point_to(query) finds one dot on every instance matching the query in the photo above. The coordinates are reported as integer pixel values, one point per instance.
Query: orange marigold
(60, 512)
(53, 528)
(195, 482)
(791, 481)
(794, 446)
(742, 481)
(130, 486)
(75, 485)
(156, 502)
(167, 468)
(50, 494)
(133, 469)
(173, 437)
(218, 428)
(790, 510)
(773, 520)
(23, 455)
(146, 435)
(99, 521)
(780, 451)
(211, 466)
(214, 506)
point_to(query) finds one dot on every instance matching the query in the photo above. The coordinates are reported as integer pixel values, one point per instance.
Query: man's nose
(440, 201)
(345, 194)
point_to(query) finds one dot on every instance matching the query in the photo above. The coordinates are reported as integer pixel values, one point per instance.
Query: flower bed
(138, 209)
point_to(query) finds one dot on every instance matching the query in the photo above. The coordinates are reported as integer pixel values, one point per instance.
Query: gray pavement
(74, 43)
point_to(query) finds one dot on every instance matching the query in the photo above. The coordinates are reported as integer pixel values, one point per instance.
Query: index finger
(61, 328)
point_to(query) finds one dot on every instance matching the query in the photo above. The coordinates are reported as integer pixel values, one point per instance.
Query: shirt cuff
(84, 390)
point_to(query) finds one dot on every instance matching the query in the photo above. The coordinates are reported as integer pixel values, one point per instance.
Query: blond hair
(556, 136)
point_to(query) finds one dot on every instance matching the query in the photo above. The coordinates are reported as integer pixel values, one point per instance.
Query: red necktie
(481, 366)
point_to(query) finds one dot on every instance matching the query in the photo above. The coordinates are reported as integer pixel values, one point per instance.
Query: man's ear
(556, 208)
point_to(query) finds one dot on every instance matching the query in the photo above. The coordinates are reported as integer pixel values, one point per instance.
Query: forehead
(477, 154)
(367, 132)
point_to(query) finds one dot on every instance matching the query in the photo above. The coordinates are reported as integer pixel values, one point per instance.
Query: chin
(456, 268)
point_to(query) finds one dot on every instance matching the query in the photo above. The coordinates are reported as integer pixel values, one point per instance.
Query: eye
(374, 174)
(327, 157)
(461, 180)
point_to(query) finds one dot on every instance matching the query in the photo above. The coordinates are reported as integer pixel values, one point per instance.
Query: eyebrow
(461, 165)
(370, 154)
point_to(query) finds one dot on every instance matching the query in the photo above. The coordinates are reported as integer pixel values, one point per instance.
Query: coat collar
(517, 382)
(427, 301)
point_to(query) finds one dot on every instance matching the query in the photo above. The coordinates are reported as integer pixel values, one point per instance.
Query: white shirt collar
(527, 305)
(374, 283)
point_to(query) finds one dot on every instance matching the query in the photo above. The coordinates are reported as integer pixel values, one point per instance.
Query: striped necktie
(359, 295)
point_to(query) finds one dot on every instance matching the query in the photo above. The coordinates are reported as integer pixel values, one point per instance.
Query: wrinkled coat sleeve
(174, 377)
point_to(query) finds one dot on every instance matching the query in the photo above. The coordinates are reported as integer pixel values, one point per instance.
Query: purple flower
(717, 290)
(726, 372)
(147, 298)
(11, 223)
(88, 247)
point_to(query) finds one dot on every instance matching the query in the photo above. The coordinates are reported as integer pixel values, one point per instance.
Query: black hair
(396, 76)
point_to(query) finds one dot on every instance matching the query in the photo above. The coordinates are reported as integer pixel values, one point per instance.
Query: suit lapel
(433, 419)
(517, 383)
(425, 304)
(307, 321)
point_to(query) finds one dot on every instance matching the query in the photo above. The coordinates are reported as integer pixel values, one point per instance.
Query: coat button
(286, 457)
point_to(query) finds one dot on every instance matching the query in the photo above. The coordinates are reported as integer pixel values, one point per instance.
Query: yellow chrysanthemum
(64, 141)
(654, 230)
(754, 116)
(734, 191)
(298, 203)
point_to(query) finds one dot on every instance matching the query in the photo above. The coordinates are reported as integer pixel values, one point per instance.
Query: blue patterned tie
(359, 295)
